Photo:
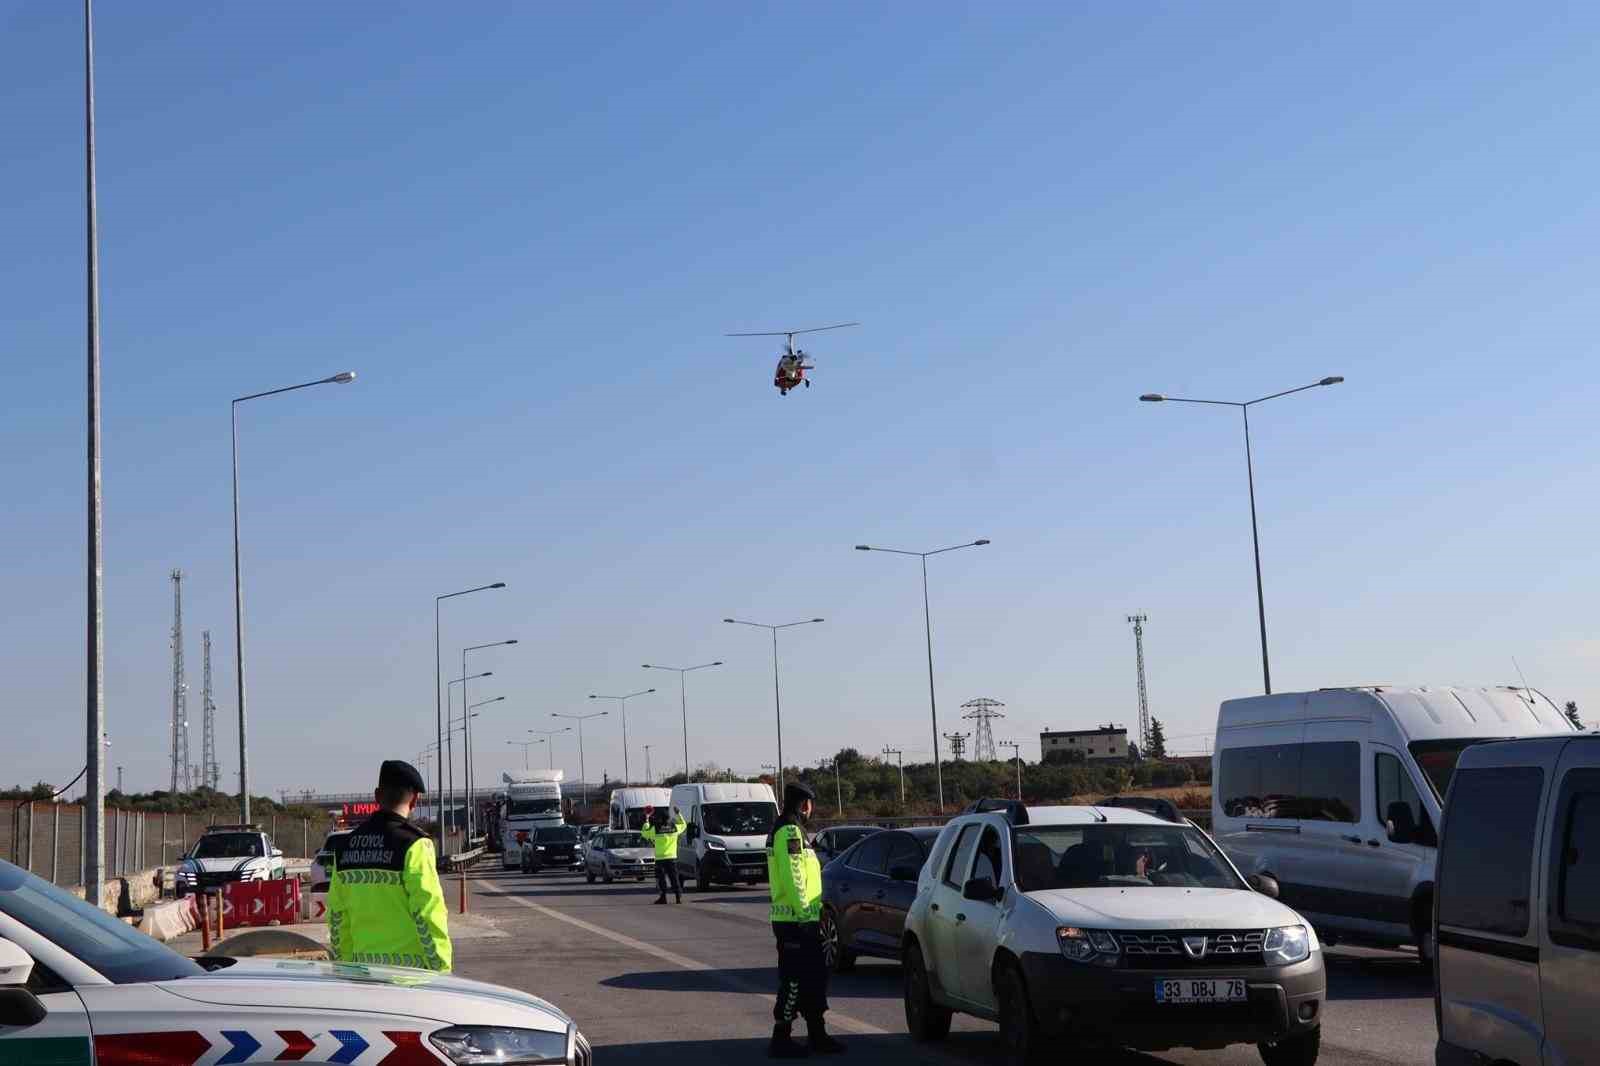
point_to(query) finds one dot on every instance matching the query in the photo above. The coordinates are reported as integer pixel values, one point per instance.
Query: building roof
(1101, 731)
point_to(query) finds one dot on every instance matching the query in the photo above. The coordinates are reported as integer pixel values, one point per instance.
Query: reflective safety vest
(385, 905)
(665, 840)
(794, 875)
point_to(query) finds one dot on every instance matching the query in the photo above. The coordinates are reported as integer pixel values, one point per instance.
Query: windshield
(523, 808)
(612, 841)
(228, 846)
(739, 819)
(108, 945)
(1437, 759)
(560, 834)
(635, 817)
(1088, 856)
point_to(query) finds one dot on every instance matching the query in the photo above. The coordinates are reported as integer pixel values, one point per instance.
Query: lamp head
(498, 585)
(980, 543)
(863, 547)
(1152, 397)
(343, 377)
(1334, 380)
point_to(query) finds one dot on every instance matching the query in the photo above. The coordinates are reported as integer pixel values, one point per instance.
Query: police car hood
(226, 863)
(633, 853)
(1163, 907)
(294, 984)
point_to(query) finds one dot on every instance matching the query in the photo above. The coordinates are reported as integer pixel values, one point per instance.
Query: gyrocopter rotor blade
(792, 332)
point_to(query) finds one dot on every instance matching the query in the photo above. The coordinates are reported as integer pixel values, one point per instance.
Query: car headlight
(714, 844)
(485, 1045)
(1096, 946)
(1286, 944)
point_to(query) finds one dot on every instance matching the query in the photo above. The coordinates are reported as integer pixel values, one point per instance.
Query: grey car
(614, 853)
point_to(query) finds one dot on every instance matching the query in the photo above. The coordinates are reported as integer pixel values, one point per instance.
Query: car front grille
(747, 858)
(1168, 950)
(207, 879)
(582, 1054)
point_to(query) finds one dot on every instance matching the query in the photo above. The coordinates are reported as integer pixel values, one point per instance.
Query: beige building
(1106, 742)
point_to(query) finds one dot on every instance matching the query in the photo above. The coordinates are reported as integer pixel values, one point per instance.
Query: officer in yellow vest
(663, 832)
(795, 878)
(385, 905)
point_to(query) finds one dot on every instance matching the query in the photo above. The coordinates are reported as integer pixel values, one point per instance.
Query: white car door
(60, 1037)
(943, 950)
(978, 921)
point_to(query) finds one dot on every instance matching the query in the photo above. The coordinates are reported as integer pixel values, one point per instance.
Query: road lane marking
(683, 962)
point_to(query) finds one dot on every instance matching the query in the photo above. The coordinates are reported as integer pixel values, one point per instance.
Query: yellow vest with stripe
(385, 904)
(794, 875)
(665, 841)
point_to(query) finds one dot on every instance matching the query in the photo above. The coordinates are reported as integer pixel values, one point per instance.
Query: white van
(726, 840)
(1337, 793)
(1519, 905)
(628, 804)
(533, 801)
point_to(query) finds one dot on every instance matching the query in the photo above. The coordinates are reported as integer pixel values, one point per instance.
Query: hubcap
(830, 940)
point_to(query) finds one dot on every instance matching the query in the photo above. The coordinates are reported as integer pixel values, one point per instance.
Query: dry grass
(1187, 797)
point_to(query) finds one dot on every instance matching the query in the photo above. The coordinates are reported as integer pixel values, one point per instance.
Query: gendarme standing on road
(795, 879)
(385, 905)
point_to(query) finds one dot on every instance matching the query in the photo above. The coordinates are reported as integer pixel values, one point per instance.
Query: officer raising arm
(385, 905)
(663, 831)
(795, 879)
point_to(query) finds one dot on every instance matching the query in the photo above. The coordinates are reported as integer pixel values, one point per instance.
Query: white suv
(230, 853)
(1106, 925)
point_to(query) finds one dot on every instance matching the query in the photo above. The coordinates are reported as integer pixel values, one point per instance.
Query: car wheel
(700, 884)
(834, 954)
(605, 874)
(926, 1021)
(1299, 1050)
(1019, 1029)
(589, 873)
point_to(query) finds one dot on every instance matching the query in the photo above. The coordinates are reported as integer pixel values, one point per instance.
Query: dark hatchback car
(866, 893)
(836, 840)
(553, 847)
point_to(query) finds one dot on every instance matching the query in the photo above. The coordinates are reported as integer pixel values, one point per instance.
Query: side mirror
(1265, 884)
(903, 873)
(277, 853)
(16, 965)
(980, 890)
(1400, 826)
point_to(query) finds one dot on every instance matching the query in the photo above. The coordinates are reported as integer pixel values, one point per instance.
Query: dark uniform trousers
(667, 873)
(802, 972)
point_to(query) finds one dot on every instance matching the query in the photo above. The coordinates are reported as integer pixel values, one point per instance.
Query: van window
(1575, 910)
(1312, 782)
(961, 856)
(1486, 863)
(1399, 805)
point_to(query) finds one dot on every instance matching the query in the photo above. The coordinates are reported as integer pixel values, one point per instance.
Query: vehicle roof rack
(235, 827)
(1015, 811)
(1164, 809)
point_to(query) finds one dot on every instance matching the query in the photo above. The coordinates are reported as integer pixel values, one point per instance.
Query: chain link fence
(46, 838)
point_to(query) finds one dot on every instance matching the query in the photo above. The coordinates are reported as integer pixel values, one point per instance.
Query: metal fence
(47, 838)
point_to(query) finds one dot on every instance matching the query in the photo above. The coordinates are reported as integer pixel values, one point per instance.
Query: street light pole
(549, 735)
(524, 745)
(1250, 474)
(777, 698)
(683, 701)
(94, 788)
(900, 757)
(450, 716)
(927, 625)
(583, 771)
(438, 691)
(1016, 753)
(466, 749)
(344, 377)
(648, 777)
(466, 740)
(622, 701)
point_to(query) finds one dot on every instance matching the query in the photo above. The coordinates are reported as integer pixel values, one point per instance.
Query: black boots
(817, 1036)
(659, 900)
(783, 1044)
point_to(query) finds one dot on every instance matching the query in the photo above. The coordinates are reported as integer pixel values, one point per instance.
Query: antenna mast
(210, 771)
(181, 775)
(983, 711)
(1138, 621)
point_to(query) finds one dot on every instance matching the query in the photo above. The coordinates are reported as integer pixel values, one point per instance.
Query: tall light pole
(838, 789)
(1016, 753)
(1250, 474)
(900, 757)
(777, 699)
(622, 701)
(94, 786)
(927, 625)
(683, 701)
(466, 749)
(438, 687)
(549, 735)
(583, 771)
(450, 716)
(648, 777)
(344, 377)
(466, 739)
(525, 745)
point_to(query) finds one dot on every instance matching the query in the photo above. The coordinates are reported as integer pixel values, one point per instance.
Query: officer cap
(397, 773)
(794, 794)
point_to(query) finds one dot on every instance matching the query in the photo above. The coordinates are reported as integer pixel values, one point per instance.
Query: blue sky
(527, 229)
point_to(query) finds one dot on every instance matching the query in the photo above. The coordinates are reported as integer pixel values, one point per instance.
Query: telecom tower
(210, 771)
(983, 710)
(1138, 621)
(958, 744)
(181, 777)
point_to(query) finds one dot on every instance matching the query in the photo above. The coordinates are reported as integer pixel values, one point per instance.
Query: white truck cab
(533, 801)
(1337, 795)
(628, 804)
(726, 838)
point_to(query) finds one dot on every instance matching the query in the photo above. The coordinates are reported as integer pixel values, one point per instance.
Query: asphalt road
(694, 983)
